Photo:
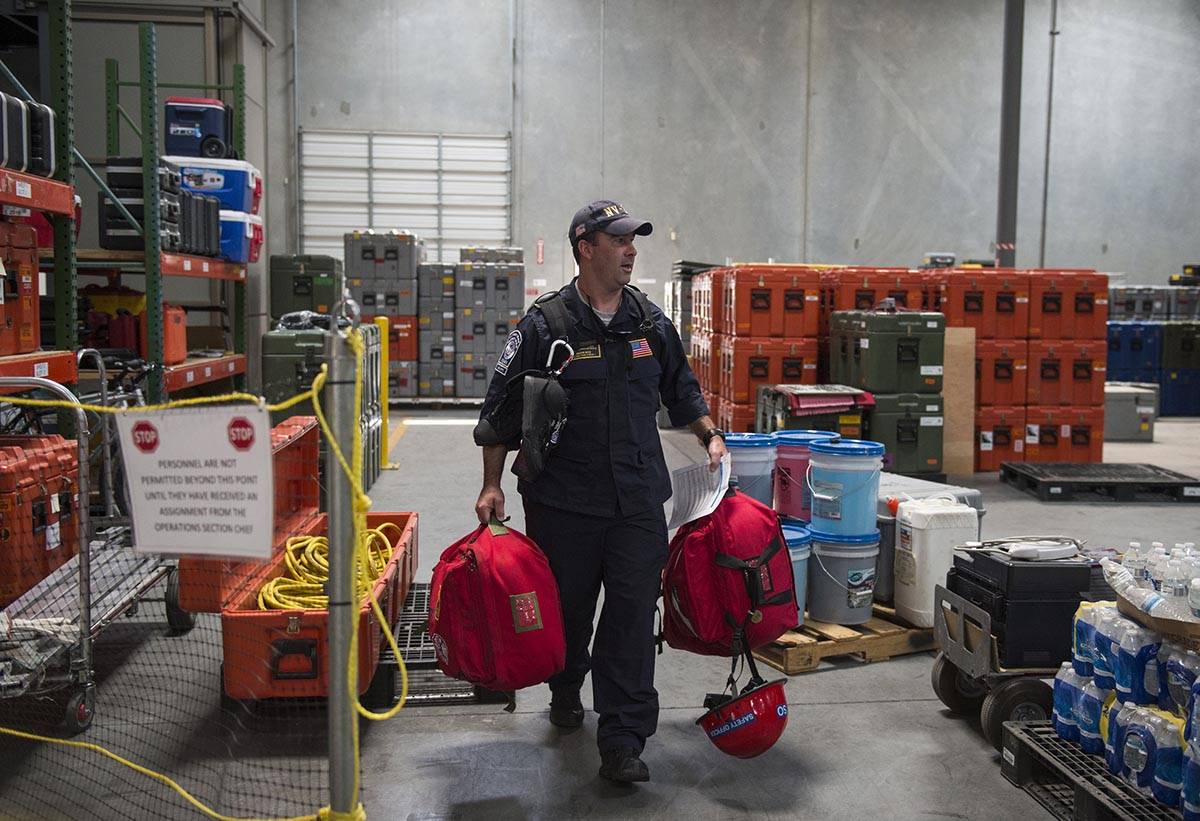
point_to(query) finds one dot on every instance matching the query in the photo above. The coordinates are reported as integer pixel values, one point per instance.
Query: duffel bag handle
(494, 525)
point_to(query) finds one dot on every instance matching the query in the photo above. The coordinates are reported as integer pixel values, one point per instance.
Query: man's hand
(716, 452)
(490, 504)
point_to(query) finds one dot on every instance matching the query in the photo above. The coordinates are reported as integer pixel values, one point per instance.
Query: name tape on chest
(588, 352)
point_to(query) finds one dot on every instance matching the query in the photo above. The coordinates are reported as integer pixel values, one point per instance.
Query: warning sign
(200, 480)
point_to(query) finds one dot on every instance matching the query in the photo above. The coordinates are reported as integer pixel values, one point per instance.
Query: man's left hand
(716, 451)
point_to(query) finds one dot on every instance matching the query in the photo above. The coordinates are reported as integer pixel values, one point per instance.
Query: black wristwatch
(708, 435)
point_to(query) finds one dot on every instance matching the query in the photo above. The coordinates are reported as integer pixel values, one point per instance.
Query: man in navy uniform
(596, 509)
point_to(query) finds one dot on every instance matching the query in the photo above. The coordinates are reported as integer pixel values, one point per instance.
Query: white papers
(696, 491)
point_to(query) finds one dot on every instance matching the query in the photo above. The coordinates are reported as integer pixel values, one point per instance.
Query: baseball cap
(607, 216)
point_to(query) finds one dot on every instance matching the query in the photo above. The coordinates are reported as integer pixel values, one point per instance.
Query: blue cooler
(198, 127)
(798, 544)
(236, 183)
(241, 236)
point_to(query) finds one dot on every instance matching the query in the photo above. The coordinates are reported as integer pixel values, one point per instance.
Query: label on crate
(864, 343)
(985, 441)
(1064, 431)
(24, 190)
(54, 536)
(1194, 490)
(200, 480)
(1033, 433)
(931, 421)
(41, 369)
(1018, 446)
(931, 370)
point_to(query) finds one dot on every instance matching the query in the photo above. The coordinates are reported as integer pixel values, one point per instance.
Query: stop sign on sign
(145, 436)
(241, 433)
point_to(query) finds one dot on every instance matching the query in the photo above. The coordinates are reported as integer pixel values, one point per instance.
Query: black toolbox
(1031, 603)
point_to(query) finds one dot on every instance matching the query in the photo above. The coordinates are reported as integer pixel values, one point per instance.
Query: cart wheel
(229, 704)
(1017, 699)
(960, 693)
(179, 620)
(80, 708)
(381, 692)
(212, 147)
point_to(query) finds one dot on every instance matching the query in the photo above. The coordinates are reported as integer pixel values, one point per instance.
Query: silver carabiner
(550, 359)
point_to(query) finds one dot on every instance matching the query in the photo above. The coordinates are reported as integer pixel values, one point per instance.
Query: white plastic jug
(927, 531)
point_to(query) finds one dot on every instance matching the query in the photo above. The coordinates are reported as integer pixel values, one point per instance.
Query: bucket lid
(805, 437)
(838, 538)
(848, 447)
(749, 440)
(796, 536)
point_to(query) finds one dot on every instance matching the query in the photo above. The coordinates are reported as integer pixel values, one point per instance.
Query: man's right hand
(490, 504)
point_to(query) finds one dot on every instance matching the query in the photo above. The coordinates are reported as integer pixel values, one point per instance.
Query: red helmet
(749, 724)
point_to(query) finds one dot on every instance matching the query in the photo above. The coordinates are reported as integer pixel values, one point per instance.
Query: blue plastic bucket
(799, 547)
(753, 463)
(841, 586)
(791, 466)
(843, 478)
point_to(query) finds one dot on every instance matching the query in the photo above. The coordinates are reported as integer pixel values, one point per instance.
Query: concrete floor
(862, 741)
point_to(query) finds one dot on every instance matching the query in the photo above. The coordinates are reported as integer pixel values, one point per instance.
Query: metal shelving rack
(153, 262)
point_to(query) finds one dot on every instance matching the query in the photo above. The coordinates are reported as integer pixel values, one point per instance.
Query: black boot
(623, 766)
(566, 710)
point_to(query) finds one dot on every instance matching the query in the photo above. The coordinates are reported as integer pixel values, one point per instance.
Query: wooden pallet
(881, 637)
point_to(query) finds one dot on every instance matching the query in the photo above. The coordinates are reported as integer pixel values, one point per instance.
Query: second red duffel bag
(728, 586)
(494, 613)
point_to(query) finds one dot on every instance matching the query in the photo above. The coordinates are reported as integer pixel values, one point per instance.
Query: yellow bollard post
(382, 322)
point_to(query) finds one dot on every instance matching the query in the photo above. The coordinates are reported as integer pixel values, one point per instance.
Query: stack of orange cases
(39, 528)
(1040, 360)
(754, 324)
(861, 288)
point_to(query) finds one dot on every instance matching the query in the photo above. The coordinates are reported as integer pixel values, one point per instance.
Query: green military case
(1181, 345)
(290, 362)
(886, 352)
(910, 426)
(836, 408)
(305, 282)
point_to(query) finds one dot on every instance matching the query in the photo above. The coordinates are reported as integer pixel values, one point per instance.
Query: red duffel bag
(494, 614)
(728, 586)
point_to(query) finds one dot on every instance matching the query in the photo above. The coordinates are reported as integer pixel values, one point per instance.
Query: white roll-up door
(450, 190)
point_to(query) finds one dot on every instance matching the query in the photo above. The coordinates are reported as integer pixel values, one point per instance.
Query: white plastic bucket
(843, 478)
(791, 467)
(841, 584)
(752, 457)
(799, 545)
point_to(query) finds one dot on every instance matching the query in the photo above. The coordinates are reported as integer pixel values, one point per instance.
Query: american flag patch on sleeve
(640, 348)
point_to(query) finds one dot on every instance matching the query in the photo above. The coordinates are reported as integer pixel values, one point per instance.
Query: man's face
(612, 258)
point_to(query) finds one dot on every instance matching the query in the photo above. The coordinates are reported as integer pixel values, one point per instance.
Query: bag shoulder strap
(558, 319)
(648, 326)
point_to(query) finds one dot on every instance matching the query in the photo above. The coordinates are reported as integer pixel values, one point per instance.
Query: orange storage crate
(1068, 304)
(708, 300)
(402, 337)
(1064, 434)
(861, 288)
(205, 583)
(771, 300)
(1062, 372)
(1001, 371)
(747, 362)
(174, 335)
(706, 359)
(993, 301)
(736, 418)
(999, 436)
(23, 312)
(285, 653)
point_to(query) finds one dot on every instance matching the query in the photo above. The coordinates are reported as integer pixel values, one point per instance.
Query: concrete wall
(818, 130)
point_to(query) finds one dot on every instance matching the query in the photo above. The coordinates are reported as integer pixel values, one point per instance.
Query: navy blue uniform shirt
(609, 460)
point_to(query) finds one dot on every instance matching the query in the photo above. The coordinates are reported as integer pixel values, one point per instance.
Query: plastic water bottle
(1083, 650)
(1175, 588)
(1135, 560)
(1063, 714)
(1087, 717)
(1168, 765)
(1190, 794)
(1194, 598)
(1137, 666)
(1138, 753)
(1158, 569)
(1183, 666)
(1110, 626)
(1114, 747)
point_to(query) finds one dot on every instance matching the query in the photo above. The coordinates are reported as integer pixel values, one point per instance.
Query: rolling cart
(49, 631)
(967, 675)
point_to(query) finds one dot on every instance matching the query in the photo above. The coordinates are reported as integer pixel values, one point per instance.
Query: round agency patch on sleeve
(511, 346)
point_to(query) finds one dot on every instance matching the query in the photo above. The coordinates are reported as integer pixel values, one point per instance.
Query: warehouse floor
(861, 740)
